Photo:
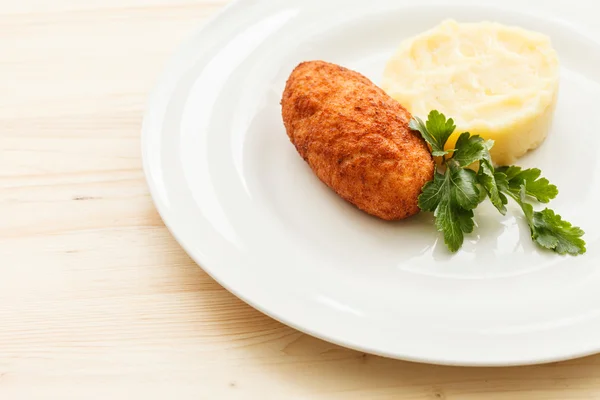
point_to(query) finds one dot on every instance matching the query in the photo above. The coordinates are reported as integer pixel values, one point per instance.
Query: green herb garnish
(456, 190)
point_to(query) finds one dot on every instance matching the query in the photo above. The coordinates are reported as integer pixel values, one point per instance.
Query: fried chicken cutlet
(356, 139)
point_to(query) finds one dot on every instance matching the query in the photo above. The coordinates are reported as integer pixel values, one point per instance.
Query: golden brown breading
(356, 139)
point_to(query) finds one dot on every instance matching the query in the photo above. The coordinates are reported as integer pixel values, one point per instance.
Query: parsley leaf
(452, 196)
(453, 221)
(554, 233)
(435, 131)
(456, 190)
(539, 188)
(493, 182)
(463, 186)
(470, 149)
(457, 184)
(433, 192)
(548, 229)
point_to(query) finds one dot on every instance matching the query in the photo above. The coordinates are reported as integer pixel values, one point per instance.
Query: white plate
(248, 209)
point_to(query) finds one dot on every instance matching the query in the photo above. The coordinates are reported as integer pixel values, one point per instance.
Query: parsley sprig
(456, 190)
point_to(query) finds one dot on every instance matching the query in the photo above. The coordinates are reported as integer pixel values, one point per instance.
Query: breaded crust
(356, 139)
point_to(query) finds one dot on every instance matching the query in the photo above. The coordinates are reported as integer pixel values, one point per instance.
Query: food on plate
(457, 189)
(371, 151)
(496, 81)
(356, 139)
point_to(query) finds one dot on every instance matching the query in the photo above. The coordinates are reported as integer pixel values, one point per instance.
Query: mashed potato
(496, 81)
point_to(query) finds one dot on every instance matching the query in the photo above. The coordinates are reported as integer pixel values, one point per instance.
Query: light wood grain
(97, 301)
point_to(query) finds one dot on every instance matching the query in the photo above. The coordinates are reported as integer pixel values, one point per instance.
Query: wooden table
(97, 301)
